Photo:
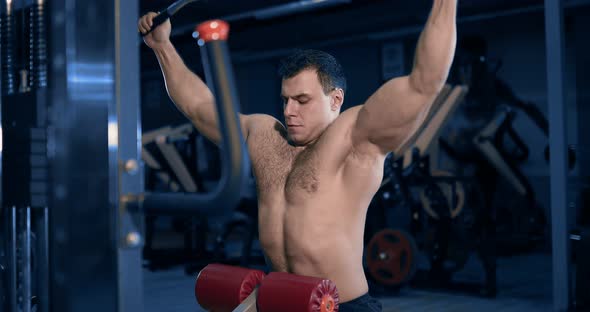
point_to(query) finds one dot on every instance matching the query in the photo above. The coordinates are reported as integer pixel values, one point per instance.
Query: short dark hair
(329, 70)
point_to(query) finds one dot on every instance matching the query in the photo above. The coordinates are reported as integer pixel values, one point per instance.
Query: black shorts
(364, 303)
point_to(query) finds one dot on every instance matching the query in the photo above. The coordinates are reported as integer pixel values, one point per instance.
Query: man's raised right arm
(188, 92)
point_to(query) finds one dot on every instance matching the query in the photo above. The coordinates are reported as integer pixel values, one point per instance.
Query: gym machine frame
(87, 116)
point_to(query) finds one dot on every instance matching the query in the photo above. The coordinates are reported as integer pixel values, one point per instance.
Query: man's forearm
(185, 88)
(436, 48)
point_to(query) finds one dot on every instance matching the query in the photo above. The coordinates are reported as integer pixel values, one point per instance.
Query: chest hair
(278, 165)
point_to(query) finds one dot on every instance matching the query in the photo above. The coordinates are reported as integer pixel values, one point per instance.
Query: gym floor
(524, 284)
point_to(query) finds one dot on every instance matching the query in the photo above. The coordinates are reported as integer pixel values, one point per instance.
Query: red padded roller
(213, 30)
(221, 287)
(294, 293)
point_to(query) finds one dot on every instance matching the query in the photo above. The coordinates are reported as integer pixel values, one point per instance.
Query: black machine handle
(168, 13)
(235, 163)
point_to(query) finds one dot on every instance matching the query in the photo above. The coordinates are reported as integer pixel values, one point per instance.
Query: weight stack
(23, 154)
(24, 107)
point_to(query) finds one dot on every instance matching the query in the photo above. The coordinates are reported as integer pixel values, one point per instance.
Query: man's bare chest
(286, 170)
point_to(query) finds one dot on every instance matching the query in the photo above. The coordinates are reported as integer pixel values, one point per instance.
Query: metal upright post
(13, 263)
(557, 137)
(93, 82)
(42, 230)
(26, 261)
(125, 158)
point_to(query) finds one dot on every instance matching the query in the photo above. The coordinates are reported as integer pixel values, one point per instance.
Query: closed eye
(302, 99)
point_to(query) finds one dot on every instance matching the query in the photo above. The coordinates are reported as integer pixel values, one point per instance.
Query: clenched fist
(157, 37)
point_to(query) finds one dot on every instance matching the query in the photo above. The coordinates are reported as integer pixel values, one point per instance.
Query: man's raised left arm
(390, 117)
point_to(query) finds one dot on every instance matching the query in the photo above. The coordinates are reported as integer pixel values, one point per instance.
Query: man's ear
(337, 99)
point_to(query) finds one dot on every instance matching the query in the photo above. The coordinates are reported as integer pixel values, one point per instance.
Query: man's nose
(290, 108)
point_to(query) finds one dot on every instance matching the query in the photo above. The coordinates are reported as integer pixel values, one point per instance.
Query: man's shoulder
(262, 120)
(264, 125)
(337, 137)
(351, 113)
(358, 147)
(344, 121)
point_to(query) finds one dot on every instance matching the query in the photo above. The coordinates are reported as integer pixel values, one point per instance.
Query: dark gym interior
(104, 181)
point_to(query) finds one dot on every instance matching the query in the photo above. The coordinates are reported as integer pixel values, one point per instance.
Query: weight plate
(391, 257)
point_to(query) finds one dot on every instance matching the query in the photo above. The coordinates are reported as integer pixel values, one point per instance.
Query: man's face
(307, 109)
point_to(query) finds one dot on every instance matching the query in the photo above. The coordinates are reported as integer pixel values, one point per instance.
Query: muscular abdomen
(324, 238)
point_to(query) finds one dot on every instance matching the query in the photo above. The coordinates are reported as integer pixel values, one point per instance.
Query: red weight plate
(390, 257)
